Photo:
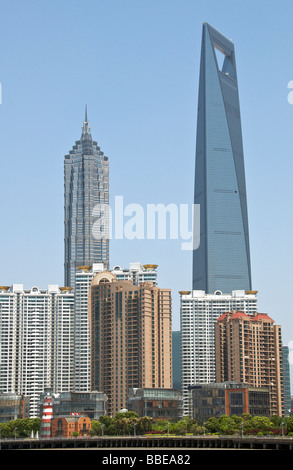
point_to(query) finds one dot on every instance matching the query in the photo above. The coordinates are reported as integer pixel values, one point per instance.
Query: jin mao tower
(86, 198)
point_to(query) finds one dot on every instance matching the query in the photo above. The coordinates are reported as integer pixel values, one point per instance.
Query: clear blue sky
(136, 65)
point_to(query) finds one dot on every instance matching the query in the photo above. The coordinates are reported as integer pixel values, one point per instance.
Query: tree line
(129, 424)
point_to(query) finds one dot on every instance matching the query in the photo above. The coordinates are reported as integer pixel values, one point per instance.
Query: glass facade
(222, 261)
(86, 199)
(13, 406)
(157, 403)
(232, 398)
(91, 404)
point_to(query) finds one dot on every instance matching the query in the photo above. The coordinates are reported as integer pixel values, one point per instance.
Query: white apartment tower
(36, 341)
(198, 314)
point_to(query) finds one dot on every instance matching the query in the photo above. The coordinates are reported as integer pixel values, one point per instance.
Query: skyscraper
(249, 349)
(36, 338)
(222, 261)
(136, 272)
(130, 337)
(86, 197)
(198, 314)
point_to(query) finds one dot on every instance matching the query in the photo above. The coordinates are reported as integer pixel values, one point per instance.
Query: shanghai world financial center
(222, 261)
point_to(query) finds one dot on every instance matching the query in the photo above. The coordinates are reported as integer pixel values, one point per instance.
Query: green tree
(237, 419)
(96, 428)
(161, 425)
(197, 430)
(144, 425)
(261, 423)
(227, 425)
(277, 420)
(124, 422)
(20, 427)
(106, 420)
(185, 425)
(290, 424)
(181, 427)
(211, 425)
(125, 415)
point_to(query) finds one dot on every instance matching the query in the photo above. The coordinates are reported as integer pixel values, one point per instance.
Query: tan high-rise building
(249, 350)
(130, 337)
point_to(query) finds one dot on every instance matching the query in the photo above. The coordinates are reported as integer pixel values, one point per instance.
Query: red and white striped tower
(47, 417)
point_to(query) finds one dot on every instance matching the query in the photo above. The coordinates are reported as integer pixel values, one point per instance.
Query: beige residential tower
(130, 337)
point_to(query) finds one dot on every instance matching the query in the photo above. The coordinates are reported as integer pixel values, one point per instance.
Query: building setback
(249, 349)
(130, 337)
(222, 260)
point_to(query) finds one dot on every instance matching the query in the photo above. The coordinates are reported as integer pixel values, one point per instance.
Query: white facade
(198, 314)
(35, 333)
(44, 334)
(64, 342)
(137, 273)
(83, 279)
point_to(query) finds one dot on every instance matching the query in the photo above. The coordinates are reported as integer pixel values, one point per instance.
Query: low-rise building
(69, 425)
(91, 404)
(156, 403)
(13, 406)
(230, 398)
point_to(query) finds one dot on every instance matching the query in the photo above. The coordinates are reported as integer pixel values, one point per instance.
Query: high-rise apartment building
(222, 260)
(198, 313)
(83, 277)
(36, 338)
(44, 334)
(286, 381)
(249, 350)
(130, 337)
(86, 198)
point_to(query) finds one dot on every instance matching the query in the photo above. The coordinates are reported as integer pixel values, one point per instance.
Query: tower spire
(86, 132)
